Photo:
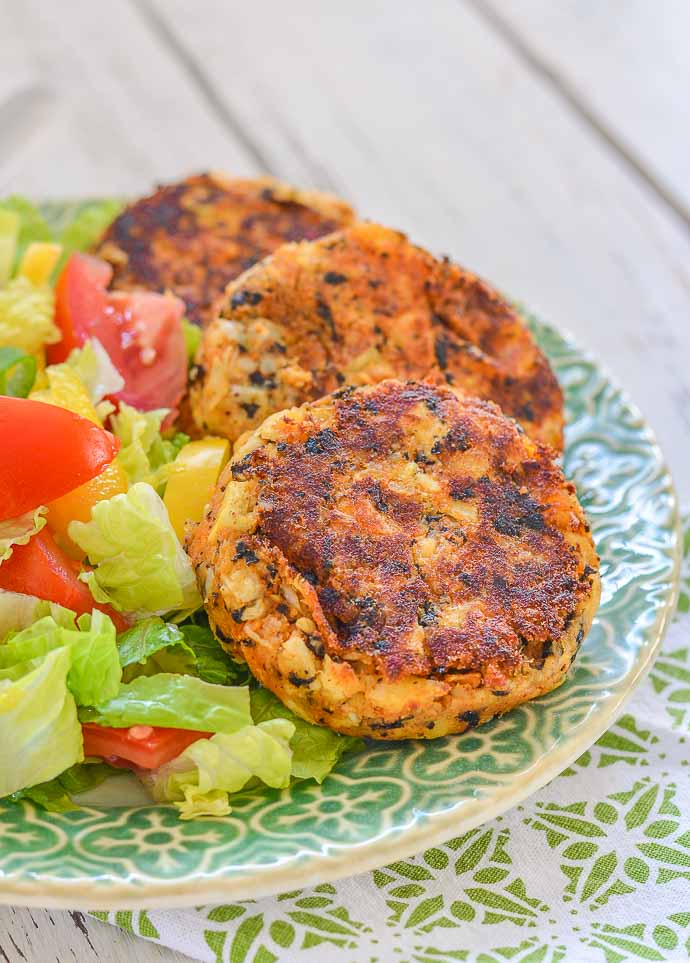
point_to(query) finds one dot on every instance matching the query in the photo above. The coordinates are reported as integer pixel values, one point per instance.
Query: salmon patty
(193, 237)
(397, 561)
(355, 308)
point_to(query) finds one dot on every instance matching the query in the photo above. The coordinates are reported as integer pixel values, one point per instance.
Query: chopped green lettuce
(18, 531)
(201, 778)
(17, 372)
(98, 374)
(192, 338)
(87, 224)
(81, 225)
(154, 646)
(94, 672)
(56, 794)
(32, 225)
(174, 702)
(19, 611)
(40, 735)
(213, 664)
(26, 315)
(140, 566)
(315, 749)
(9, 233)
(145, 455)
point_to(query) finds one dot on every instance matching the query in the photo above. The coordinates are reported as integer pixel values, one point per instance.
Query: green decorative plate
(390, 802)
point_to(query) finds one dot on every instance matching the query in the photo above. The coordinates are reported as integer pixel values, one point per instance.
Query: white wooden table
(545, 144)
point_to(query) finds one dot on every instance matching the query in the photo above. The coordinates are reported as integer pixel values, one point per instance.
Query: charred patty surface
(193, 237)
(396, 561)
(355, 308)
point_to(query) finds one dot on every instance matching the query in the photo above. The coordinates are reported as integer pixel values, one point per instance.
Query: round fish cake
(355, 308)
(193, 237)
(397, 561)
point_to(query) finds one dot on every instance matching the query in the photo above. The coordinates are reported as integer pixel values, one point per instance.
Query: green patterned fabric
(595, 867)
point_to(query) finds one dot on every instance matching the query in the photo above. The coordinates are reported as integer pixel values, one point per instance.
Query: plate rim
(343, 860)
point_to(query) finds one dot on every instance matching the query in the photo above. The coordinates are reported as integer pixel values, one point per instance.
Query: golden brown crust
(397, 561)
(357, 307)
(193, 237)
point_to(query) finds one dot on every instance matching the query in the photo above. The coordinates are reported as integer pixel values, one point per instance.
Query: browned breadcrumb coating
(397, 561)
(194, 237)
(357, 307)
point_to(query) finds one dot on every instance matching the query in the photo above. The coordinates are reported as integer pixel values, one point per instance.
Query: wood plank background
(544, 144)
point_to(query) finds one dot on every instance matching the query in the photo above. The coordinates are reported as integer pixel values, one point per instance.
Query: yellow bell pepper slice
(192, 478)
(66, 389)
(78, 504)
(39, 261)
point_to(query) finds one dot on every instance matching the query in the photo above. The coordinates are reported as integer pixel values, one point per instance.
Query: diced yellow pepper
(192, 478)
(66, 389)
(77, 505)
(41, 380)
(39, 261)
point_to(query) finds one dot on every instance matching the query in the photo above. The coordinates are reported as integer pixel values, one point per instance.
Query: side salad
(107, 660)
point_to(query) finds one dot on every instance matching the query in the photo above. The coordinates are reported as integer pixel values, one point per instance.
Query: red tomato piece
(141, 331)
(145, 747)
(42, 569)
(80, 300)
(45, 452)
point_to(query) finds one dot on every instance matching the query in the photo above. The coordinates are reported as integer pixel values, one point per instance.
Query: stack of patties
(393, 548)
(194, 237)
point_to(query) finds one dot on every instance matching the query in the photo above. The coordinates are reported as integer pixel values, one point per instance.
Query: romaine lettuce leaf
(140, 566)
(213, 664)
(32, 225)
(18, 611)
(315, 749)
(153, 646)
(94, 672)
(97, 372)
(200, 779)
(80, 226)
(18, 531)
(174, 702)
(26, 316)
(9, 232)
(87, 224)
(56, 794)
(145, 454)
(17, 372)
(40, 735)
(192, 338)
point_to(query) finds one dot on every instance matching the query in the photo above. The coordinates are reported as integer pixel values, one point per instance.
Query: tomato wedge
(46, 451)
(146, 747)
(42, 569)
(141, 331)
(80, 302)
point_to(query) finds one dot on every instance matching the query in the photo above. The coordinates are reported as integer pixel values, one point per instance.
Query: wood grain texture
(545, 145)
(627, 66)
(102, 116)
(42, 936)
(427, 119)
